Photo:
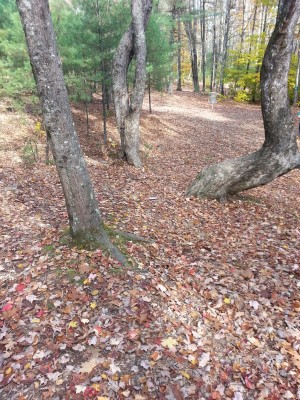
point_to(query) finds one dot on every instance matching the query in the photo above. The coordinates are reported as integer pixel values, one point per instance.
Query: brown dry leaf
(293, 353)
(254, 341)
(89, 365)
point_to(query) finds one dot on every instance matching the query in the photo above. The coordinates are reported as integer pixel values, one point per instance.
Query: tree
(128, 107)
(279, 153)
(225, 45)
(179, 75)
(160, 51)
(190, 24)
(86, 225)
(203, 41)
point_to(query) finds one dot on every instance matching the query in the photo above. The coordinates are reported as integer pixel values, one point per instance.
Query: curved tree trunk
(128, 108)
(279, 153)
(86, 226)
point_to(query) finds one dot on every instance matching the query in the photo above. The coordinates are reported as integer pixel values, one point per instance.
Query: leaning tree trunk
(86, 226)
(279, 153)
(128, 108)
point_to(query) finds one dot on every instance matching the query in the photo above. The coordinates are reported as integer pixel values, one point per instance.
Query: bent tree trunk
(279, 153)
(86, 226)
(128, 108)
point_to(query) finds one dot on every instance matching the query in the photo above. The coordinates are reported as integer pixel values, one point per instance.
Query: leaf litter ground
(209, 310)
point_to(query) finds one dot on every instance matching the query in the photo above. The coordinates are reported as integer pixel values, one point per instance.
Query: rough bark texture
(279, 153)
(84, 216)
(128, 107)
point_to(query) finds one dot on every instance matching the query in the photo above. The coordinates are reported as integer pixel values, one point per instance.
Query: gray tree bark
(86, 226)
(279, 153)
(128, 107)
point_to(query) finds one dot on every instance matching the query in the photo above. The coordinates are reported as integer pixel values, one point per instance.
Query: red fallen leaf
(98, 330)
(192, 271)
(7, 307)
(89, 393)
(248, 383)
(157, 341)
(46, 368)
(224, 376)
(85, 298)
(20, 287)
(40, 313)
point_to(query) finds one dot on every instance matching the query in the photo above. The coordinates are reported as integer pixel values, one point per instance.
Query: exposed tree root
(101, 239)
(132, 237)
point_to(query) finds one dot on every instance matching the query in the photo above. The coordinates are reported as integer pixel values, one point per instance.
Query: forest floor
(209, 310)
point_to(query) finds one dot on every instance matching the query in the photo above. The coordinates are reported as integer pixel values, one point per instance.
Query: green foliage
(159, 50)
(88, 32)
(242, 96)
(16, 80)
(243, 71)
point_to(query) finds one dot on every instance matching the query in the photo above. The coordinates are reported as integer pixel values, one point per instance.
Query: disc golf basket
(212, 99)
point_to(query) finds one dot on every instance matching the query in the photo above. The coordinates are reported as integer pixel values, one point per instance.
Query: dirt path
(209, 311)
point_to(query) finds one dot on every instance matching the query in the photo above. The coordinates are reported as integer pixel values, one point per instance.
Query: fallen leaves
(211, 309)
(6, 307)
(170, 343)
(88, 366)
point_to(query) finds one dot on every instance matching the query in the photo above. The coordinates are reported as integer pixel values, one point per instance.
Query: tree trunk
(252, 37)
(86, 226)
(104, 113)
(170, 82)
(213, 53)
(261, 42)
(191, 31)
(128, 108)
(213, 60)
(179, 87)
(225, 46)
(203, 43)
(279, 153)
